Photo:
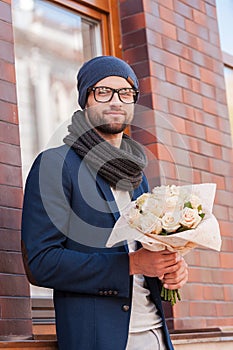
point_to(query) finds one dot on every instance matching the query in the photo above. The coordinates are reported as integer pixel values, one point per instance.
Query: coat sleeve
(46, 212)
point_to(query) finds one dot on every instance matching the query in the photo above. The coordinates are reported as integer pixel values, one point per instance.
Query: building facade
(184, 121)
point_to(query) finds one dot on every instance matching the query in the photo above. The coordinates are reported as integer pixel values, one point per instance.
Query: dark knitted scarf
(120, 167)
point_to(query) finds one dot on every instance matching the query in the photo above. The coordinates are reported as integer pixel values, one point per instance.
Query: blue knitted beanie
(99, 68)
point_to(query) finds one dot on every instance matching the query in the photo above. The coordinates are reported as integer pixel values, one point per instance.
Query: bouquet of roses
(177, 218)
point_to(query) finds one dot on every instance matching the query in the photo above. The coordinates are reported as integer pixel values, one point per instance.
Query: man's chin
(113, 128)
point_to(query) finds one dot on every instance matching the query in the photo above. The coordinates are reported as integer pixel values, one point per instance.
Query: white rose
(153, 205)
(170, 221)
(190, 218)
(160, 191)
(132, 216)
(149, 223)
(174, 203)
(140, 200)
(195, 201)
(174, 190)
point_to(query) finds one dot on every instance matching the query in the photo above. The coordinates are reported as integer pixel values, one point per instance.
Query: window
(225, 20)
(52, 39)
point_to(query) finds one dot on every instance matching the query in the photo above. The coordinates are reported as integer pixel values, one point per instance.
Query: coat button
(125, 308)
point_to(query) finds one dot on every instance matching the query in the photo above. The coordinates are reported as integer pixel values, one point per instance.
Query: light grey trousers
(148, 340)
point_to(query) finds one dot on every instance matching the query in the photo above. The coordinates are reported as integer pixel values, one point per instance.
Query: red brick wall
(15, 313)
(174, 48)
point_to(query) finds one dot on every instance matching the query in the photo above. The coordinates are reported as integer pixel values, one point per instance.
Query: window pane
(228, 72)
(225, 20)
(51, 43)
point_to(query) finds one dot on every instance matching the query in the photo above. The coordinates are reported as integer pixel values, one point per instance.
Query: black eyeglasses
(104, 94)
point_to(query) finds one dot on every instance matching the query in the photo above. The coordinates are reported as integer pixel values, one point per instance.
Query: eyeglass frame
(135, 97)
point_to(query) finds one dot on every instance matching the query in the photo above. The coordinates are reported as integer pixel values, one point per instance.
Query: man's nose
(115, 99)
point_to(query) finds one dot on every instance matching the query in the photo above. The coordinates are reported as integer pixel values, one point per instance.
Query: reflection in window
(51, 43)
(228, 72)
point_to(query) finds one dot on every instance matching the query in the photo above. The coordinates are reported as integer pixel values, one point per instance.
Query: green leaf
(188, 205)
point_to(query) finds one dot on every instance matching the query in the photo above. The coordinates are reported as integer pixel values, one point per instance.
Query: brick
(137, 38)
(182, 9)
(172, 123)
(11, 263)
(187, 38)
(11, 218)
(153, 38)
(165, 58)
(228, 292)
(175, 47)
(210, 106)
(219, 166)
(10, 154)
(170, 16)
(218, 179)
(14, 308)
(210, 10)
(193, 99)
(152, 152)
(136, 54)
(199, 162)
(221, 212)
(7, 71)
(8, 112)
(130, 7)
(206, 119)
(10, 175)
(195, 130)
(17, 327)
(204, 309)
(157, 70)
(133, 23)
(178, 78)
(6, 32)
(226, 260)
(165, 153)
(160, 103)
(209, 77)
(7, 51)
(196, 29)
(167, 170)
(145, 136)
(8, 91)
(189, 68)
(5, 12)
(208, 48)
(224, 309)
(10, 240)
(152, 7)
(14, 285)
(181, 110)
(11, 196)
(213, 293)
(227, 244)
(167, 89)
(164, 136)
(9, 133)
(162, 27)
(214, 136)
(209, 259)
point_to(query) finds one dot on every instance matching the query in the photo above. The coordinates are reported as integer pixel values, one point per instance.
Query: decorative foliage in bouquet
(166, 211)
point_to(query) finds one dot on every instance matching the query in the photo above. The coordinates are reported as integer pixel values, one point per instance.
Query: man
(105, 298)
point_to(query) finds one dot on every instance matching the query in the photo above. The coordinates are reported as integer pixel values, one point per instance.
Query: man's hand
(166, 265)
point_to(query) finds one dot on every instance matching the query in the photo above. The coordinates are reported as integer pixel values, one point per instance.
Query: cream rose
(190, 218)
(153, 205)
(149, 223)
(171, 221)
(173, 203)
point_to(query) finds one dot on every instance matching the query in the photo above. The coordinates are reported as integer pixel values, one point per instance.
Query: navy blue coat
(68, 214)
